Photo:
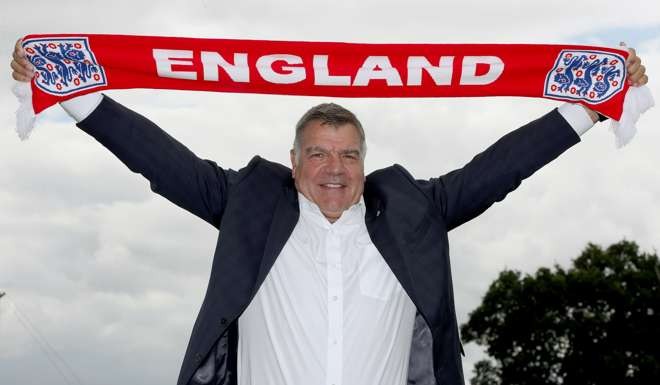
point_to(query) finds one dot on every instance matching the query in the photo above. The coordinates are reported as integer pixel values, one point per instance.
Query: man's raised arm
(197, 185)
(466, 192)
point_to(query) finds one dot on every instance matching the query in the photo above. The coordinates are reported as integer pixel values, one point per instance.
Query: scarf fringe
(25, 116)
(637, 101)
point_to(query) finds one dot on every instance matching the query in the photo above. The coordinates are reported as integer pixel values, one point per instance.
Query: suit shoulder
(390, 174)
(263, 169)
(397, 180)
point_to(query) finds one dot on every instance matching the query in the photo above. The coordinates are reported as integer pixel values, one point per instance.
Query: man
(322, 275)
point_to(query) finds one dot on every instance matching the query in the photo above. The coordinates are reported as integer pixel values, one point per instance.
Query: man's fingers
(19, 52)
(636, 70)
(22, 69)
(19, 77)
(21, 65)
(634, 65)
(632, 58)
(637, 76)
(18, 67)
(21, 62)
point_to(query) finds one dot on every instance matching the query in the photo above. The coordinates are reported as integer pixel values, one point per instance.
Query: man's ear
(292, 154)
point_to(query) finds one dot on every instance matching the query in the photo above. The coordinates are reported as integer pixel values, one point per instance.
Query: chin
(334, 209)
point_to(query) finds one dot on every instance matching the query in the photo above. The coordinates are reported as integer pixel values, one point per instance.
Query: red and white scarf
(69, 65)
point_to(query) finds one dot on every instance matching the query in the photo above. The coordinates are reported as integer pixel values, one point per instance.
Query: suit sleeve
(467, 192)
(174, 172)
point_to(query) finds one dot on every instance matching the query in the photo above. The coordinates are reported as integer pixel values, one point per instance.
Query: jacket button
(223, 321)
(198, 358)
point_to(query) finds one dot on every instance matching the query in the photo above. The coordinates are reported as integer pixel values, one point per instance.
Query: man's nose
(334, 164)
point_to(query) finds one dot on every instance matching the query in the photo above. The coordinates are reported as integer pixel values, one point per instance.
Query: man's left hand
(636, 70)
(636, 77)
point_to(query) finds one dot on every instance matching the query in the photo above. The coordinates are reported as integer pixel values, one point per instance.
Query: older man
(322, 275)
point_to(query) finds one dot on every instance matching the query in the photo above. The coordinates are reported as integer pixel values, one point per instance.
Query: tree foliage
(596, 323)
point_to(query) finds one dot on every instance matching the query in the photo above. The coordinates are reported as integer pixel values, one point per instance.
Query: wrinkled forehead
(331, 136)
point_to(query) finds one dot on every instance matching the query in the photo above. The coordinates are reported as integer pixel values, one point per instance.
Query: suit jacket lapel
(380, 232)
(284, 221)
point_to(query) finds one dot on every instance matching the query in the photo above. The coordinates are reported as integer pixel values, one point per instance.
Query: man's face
(330, 168)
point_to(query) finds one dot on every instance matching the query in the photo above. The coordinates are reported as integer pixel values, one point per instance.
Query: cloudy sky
(112, 275)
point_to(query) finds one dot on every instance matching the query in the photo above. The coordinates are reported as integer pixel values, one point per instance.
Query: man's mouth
(332, 185)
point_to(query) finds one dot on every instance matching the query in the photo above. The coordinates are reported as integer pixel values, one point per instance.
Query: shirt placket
(335, 309)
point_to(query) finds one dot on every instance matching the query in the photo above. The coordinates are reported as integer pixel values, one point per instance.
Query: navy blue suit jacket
(256, 209)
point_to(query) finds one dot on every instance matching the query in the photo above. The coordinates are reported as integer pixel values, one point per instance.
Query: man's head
(328, 158)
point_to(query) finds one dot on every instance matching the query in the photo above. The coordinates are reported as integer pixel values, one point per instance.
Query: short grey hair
(331, 114)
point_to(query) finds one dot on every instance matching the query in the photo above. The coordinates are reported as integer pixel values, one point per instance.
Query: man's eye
(317, 155)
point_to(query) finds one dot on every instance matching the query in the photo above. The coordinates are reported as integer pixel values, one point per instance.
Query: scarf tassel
(25, 116)
(637, 101)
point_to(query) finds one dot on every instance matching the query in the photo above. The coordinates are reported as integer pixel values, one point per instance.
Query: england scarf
(69, 65)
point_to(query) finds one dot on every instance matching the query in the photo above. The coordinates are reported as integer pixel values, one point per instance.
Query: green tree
(596, 323)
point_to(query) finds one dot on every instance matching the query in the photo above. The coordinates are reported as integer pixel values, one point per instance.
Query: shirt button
(334, 342)
(334, 297)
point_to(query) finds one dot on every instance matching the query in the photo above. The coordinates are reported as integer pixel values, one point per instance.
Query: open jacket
(256, 209)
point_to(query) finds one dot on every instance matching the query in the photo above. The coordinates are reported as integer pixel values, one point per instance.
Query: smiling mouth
(332, 185)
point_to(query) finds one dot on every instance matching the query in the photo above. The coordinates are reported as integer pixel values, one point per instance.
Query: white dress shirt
(330, 310)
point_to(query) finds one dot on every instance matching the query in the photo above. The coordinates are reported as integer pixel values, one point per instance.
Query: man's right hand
(23, 69)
